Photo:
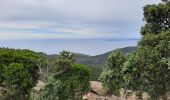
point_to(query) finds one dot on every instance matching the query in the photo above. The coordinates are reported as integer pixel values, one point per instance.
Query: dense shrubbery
(111, 75)
(147, 70)
(70, 81)
(95, 72)
(18, 72)
(20, 69)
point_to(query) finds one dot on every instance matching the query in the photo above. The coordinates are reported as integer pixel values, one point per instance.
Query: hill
(95, 63)
(98, 60)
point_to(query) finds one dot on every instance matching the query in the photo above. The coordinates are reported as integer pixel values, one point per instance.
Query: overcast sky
(23, 19)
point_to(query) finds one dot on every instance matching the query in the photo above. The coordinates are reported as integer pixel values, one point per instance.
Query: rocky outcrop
(92, 96)
(97, 88)
(98, 92)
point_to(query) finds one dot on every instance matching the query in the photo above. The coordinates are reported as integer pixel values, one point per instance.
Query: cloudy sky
(24, 19)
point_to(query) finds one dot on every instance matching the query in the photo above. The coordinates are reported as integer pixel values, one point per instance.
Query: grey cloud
(74, 9)
(102, 16)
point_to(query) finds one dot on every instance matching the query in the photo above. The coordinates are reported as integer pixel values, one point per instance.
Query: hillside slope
(98, 60)
(95, 63)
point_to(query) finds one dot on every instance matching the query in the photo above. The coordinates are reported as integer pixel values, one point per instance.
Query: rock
(40, 85)
(92, 96)
(98, 92)
(2, 90)
(97, 88)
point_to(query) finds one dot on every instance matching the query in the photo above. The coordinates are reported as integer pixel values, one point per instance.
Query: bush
(69, 82)
(18, 72)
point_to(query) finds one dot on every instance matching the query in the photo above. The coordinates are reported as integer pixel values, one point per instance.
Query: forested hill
(98, 60)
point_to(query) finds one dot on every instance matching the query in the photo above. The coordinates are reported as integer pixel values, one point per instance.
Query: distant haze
(54, 46)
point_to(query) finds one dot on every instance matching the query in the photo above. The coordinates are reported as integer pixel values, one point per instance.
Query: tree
(112, 76)
(147, 69)
(45, 64)
(63, 63)
(157, 18)
(17, 80)
(69, 81)
(18, 72)
(66, 55)
(95, 73)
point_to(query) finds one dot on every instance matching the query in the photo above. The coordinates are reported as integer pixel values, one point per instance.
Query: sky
(53, 19)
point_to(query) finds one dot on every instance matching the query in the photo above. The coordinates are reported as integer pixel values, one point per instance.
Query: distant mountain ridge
(95, 63)
(98, 60)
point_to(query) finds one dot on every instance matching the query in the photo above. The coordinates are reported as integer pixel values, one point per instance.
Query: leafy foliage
(95, 63)
(147, 69)
(70, 80)
(95, 73)
(157, 18)
(18, 72)
(112, 76)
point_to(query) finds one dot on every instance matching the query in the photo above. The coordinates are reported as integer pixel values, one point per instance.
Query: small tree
(69, 82)
(46, 65)
(112, 76)
(18, 80)
(18, 72)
